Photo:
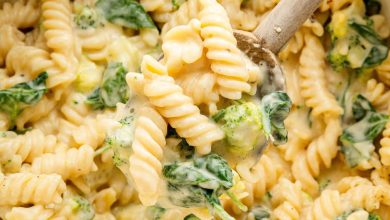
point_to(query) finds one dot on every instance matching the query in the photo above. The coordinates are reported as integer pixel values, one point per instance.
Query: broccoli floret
(82, 208)
(242, 125)
(355, 44)
(87, 17)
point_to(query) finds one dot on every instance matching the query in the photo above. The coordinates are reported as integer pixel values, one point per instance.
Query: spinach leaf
(357, 139)
(15, 99)
(360, 107)
(199, 182)
(112, 90)
(378, 52)
(274, 110)
(127, 13)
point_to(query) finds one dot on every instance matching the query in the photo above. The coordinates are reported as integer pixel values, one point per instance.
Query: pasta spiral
(384, 151)
(187, 11)
(74, 109)
(70, 164)
(91, 133)
(34, 113)
(9, 37)
(29, 61)
(29, 145)
(16, 14)
(37, 212)
(327, 206)
(313, 83)
(378, 94)
(287, 197)
(94, 43)
(58, 31)
(201, 88)
(145, 161)
(383, 71)
(268, 172)
(28, 188)
(222, 51)
(240, 18)
(178, 108)
(320, 151)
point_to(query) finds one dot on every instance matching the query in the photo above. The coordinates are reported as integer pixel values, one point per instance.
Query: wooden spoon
(271, 35)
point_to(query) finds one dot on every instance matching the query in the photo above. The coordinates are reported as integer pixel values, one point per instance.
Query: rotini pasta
(16, 14)
(10, 37)
(27, 188)
(69, 164)
(145, 161)
(190, 124)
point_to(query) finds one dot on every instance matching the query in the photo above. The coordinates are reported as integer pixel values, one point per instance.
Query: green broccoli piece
(355, 44)
(242, 125)
(82, 208)
(87, 18)
(260, 213)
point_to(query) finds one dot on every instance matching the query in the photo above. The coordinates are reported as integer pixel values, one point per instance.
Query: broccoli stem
(237, 202)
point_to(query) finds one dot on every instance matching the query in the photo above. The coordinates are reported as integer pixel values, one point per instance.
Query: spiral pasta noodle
(74, 109)
(16, 14)
(360, 193)
(225, 58)
(268, 172)
(187, 11)
(28, 188)
(9, 37)
(29, 61)
(383, 71)
(313, 83)
(178, 108)
(261, 6)
(378, 94)
(58, 31)
(201, 88)
(145, 161)
(327, 206)
(34, 113)
(69, 164)
(384, 151)
(91, 133)
(161, 9)
(34, 212)
(288, 199)
(320, 151)
(29, 145)
(94, 43)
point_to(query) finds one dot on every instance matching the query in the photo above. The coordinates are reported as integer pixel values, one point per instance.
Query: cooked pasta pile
(127, 109)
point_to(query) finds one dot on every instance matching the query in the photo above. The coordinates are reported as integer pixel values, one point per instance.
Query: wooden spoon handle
(283, 21)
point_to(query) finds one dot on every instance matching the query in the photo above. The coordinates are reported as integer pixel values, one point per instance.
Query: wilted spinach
(199, 183)
(357, 139)
(274, 110)
(127, 13)
(15, 99)
(113, 89)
